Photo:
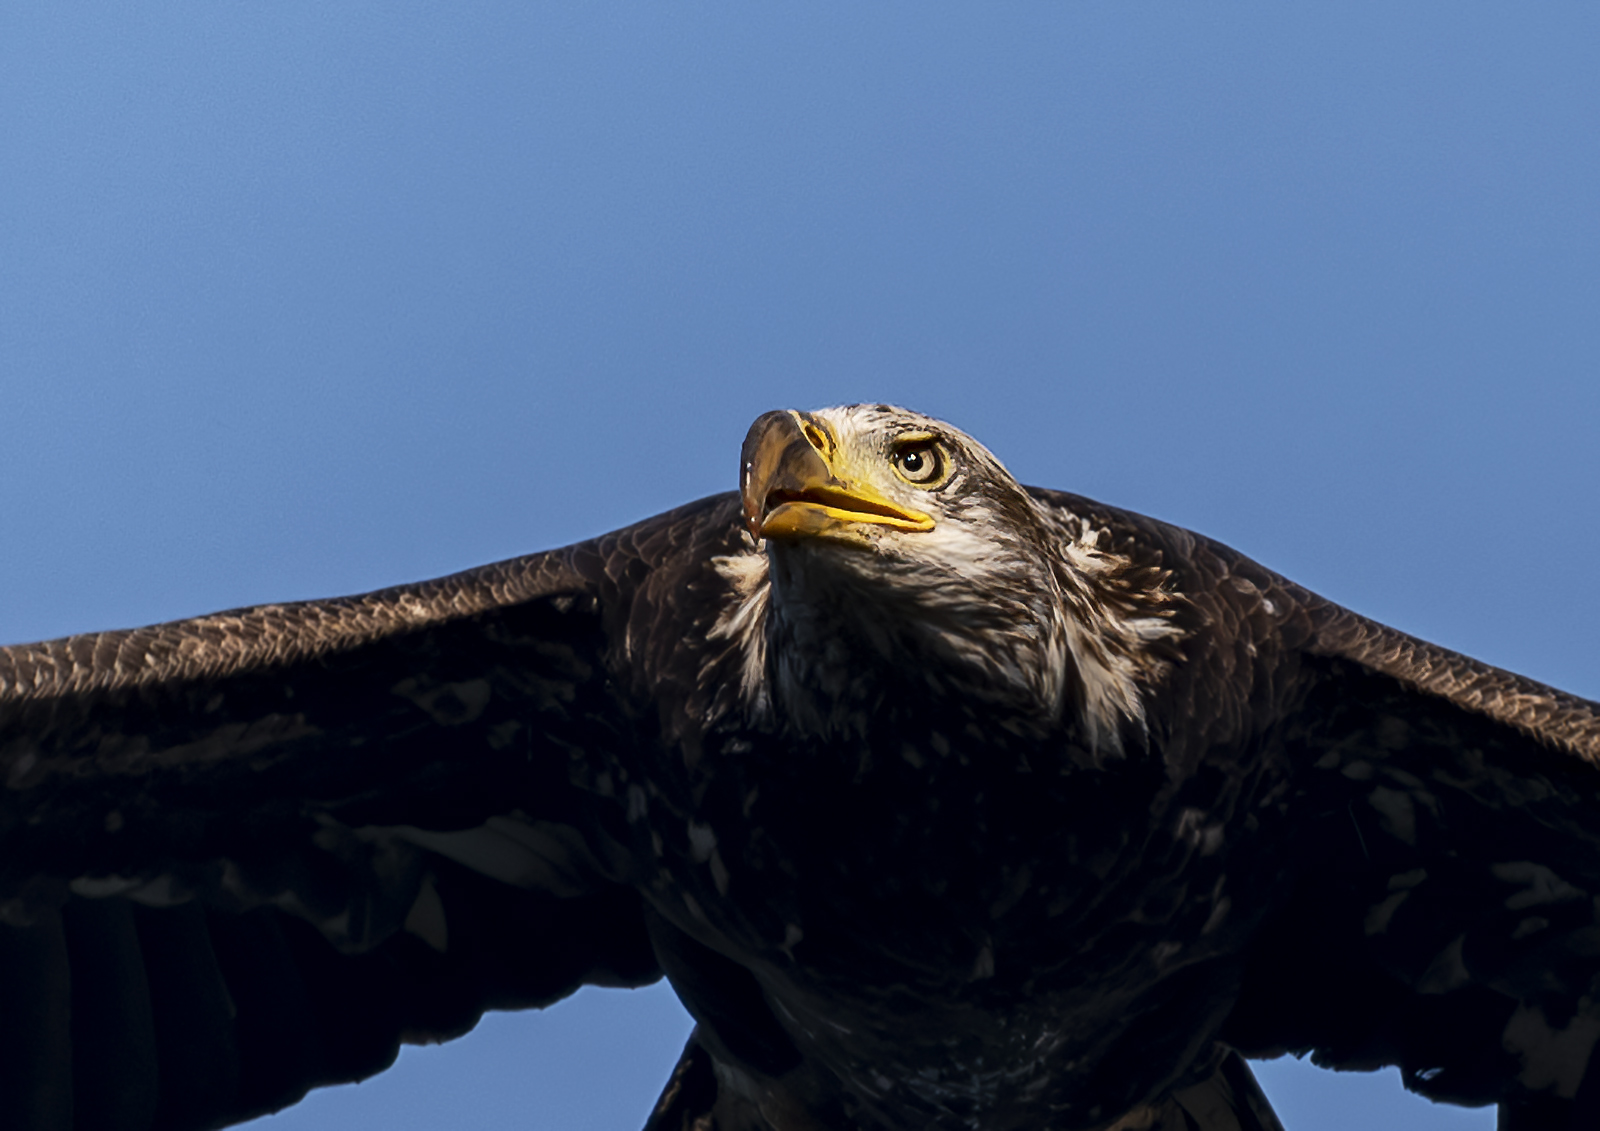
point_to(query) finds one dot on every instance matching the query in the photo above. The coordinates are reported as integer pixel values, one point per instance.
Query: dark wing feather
(1443, 913)
(232, 848)
(1421, 829)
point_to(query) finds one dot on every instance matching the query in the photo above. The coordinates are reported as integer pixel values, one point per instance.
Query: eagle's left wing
(1444, 913)
(1409, 839)
(246, 854)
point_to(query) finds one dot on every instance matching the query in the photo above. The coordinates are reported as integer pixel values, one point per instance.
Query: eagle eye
(921, 462)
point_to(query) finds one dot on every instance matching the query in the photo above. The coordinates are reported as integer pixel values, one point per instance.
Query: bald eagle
(942, 802)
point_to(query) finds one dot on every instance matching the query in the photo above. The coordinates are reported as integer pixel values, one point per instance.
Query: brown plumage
(941, 801)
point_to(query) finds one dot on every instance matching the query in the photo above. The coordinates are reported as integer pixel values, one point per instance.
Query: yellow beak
(790, 489)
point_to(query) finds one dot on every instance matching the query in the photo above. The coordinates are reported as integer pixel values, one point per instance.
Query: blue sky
(303, 299)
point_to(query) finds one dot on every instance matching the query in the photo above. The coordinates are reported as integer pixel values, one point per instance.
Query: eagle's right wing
(249, 853)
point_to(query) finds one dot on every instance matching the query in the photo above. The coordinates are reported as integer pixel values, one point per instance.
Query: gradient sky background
(301, 299)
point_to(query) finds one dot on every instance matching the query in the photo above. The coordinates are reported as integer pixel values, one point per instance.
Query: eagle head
(906, 565)
(897, 567)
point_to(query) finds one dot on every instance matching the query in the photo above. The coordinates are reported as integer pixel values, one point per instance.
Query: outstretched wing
(249, 853)
(1422, 830)
(1445, 913)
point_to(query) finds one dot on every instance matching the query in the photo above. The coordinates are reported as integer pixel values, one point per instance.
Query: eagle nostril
(816, 437)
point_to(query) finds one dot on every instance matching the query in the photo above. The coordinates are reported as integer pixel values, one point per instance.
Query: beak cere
(791, 489)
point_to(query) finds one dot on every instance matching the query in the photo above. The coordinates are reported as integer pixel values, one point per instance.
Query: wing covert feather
(1555, 718)
(273, 635)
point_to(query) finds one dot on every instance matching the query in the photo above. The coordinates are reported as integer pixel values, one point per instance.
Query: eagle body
(978, 938)
(942, 802)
